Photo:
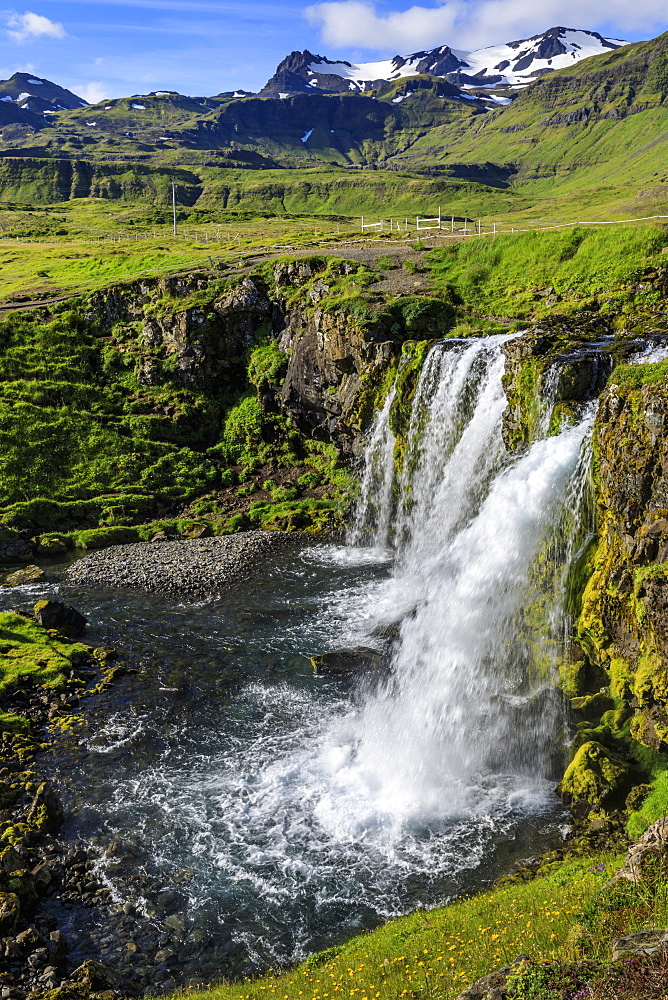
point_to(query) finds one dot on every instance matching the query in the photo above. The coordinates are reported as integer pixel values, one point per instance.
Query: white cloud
(93, 92)
(23, 27)
(471, 24)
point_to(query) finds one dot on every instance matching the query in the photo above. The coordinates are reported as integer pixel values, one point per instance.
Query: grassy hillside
(530, 274)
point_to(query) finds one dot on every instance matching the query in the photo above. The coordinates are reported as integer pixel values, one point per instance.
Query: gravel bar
(197, 567)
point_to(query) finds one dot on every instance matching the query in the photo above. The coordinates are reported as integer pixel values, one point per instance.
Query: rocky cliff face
(202, 332)
(623, 626)
(616, 666)
(331, 359)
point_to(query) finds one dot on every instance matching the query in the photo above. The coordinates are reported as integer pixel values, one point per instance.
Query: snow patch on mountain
(361, 73)
(519, 63)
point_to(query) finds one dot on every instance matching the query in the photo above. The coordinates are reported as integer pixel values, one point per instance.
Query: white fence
(425, 223)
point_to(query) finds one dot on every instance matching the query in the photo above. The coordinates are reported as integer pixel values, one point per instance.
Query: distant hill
(37, 95)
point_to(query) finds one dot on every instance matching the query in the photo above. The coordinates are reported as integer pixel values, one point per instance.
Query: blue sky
(104, 49)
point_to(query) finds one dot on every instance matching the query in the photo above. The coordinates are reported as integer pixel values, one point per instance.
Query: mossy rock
(596, 776)
(54, 615)
(101, 538)
(29, 651)
(10, 908)
(574, 678)
(592, 706)
(52, 544)
(20, 577)
(650, 727)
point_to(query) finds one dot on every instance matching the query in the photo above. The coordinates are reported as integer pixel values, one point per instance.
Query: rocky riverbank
(49, 883)
(196, 568)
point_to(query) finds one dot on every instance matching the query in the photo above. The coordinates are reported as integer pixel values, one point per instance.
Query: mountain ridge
(513, 64)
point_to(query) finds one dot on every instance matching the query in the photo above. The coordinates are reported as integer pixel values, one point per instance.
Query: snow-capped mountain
(519, 63)
(42, 97)
(513, 65)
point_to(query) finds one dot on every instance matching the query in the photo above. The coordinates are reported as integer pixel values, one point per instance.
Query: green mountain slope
(592, 135)
(342, 129)
(608, 109)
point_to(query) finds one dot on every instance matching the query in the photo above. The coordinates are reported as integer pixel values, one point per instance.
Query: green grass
(108, 243)
(28, 651)
(635, 376)
(515, 275)
(570, 912)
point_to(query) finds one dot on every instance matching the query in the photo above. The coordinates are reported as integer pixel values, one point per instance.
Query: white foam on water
(651, 354)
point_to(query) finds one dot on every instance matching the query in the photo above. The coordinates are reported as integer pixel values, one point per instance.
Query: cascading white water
(373, 513)
(457, 407)
(469, 531)
(332, 811)
(426, 739)
(454, 445)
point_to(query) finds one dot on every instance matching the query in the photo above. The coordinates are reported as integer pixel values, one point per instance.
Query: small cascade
(371, 525)
(546, 399)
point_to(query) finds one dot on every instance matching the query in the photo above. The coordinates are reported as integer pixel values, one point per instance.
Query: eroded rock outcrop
(623, 626)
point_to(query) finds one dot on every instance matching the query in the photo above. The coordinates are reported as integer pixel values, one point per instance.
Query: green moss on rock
(29, 651)
(596, 776)
(100, 538)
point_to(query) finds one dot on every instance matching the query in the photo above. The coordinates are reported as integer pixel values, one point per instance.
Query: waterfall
(372, 519)
(309, 808)
(483, 543)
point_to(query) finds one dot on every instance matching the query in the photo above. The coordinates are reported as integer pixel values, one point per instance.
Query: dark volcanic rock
(13, 548)
(348, 661)
(53, 614)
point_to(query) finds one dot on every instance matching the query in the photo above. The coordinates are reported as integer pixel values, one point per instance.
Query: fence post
(478, 227)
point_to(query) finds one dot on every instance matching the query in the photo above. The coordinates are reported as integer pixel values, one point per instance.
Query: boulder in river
(53, 614)
(344, 662)
(29, 574)
(13, 548)
(51, 545)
